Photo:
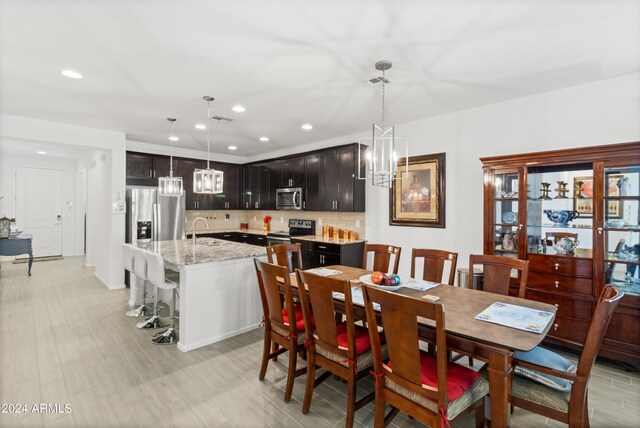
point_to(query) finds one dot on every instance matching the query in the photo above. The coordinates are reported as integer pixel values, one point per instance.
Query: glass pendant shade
(170, 186)
(208, 181)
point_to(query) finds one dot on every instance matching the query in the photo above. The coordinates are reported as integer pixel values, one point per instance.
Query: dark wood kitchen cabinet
(590, 195)
(144, 169)
(229, 199)
(256, 192)
(193, 201)
(292, 171)
(317, 254)
(340, 188)
(312, 200)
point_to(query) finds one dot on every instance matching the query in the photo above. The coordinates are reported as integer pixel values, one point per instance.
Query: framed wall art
(584, 205)
(418, 199)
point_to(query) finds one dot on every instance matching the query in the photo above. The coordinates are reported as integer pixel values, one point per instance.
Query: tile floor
(64, 339)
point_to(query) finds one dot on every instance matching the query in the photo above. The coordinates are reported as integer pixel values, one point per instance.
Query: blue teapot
(561, 217)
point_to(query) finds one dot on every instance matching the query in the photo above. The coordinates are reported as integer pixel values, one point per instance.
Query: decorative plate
(367, 280)
(509, 217)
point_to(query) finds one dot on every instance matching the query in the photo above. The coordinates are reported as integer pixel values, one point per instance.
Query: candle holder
(562, 190)
(545, 191)
(577, 192)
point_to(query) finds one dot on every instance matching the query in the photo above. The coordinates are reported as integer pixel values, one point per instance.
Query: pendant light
(208, 181)
(170, 186)
(381, 156)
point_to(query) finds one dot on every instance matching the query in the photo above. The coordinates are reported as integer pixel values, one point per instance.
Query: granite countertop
(184, 252)
(319, 238)
(314, 238)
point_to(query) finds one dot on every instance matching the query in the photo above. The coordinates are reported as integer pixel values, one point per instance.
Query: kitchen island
(218, 288)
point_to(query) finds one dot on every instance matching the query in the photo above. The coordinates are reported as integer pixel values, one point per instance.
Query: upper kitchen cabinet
(312, 198)
(144, 169)
(340, 188)
(229, 199)
(291, 172)
(256, 191)
(193, 201)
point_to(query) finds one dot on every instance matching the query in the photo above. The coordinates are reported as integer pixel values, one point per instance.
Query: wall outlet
(255, 218)
(226, 217)
(357, 223)
(319, 222)
(281, 219)
(217, 283)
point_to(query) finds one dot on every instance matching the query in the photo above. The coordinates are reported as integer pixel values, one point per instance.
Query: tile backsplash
(279, 220)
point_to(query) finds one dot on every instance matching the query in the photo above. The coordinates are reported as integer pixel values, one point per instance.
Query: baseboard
(200, 344)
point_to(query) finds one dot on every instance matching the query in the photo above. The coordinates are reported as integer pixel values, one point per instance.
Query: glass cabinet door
(560, 210)
(621, 229)
(505, 201)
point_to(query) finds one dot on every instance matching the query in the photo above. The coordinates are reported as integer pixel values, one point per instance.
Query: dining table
(488, 342)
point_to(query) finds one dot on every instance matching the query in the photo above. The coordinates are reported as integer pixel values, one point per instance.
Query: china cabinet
(574, 215)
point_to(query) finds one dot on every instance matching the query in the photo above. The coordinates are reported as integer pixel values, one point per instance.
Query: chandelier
(208, 181)
(170, 186)
(383, 148)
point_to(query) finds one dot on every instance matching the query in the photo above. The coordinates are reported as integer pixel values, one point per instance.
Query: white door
(39, 208)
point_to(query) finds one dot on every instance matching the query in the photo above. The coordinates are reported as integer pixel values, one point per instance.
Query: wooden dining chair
(289, 255)
(283, 321)
(433, 264)
(341, 349)
(424, 386)
(496, 277)
(569, 407)
(382, 257)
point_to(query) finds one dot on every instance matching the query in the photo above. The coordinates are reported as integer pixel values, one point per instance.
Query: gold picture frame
(584, 205)
(419, 199)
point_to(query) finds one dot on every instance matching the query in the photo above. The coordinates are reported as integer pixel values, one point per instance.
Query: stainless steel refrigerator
(154, 217)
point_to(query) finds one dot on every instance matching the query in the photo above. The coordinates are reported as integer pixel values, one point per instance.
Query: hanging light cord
(171, 121)
(383, 80)
(208, 132)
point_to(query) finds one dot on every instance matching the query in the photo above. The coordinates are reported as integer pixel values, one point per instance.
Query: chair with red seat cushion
(381, 260)
(278, 328)
(426, 387)
(342, 349)
(289, 255)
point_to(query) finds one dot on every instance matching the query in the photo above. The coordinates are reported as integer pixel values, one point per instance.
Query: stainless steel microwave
(289, 199)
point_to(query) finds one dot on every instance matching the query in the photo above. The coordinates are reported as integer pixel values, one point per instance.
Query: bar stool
(157, 277)
(127, 262)
(140, 267)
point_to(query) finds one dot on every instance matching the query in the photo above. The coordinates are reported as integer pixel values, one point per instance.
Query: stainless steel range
(296, 228)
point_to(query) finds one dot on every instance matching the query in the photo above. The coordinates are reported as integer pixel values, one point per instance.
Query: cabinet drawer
(550, 281)
(561, 265)
(570, 329)
(325, 248)
(567, 307)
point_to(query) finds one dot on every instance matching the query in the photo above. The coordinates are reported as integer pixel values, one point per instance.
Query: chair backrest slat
(399, 315)
(320, 298)
(139, 263)
(382, 257)
(270, 277)
(497, 273)
(434, 263)
(289, 255)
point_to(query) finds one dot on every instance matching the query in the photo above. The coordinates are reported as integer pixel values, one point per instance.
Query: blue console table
(16, 246)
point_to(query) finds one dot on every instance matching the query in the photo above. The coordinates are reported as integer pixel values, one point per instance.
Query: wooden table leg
(500, 376)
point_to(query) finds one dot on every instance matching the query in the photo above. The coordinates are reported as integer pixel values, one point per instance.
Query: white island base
(218, 300)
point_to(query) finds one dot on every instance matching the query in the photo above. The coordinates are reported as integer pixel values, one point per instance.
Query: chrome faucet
(193, 227)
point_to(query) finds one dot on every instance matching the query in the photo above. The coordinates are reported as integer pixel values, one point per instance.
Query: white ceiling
(291, 62)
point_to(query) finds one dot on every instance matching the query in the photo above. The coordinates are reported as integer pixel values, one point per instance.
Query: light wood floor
(64, 339)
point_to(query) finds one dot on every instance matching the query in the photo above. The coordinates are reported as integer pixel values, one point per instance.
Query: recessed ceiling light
(264, 139)
(201, 126)
(174, 138)
(307, 126)
(41, 152)
(238, 109)
(233, 148)
(72, 74)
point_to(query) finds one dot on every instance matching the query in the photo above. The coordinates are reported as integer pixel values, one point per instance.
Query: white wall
(8, 165)
(104, 249)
